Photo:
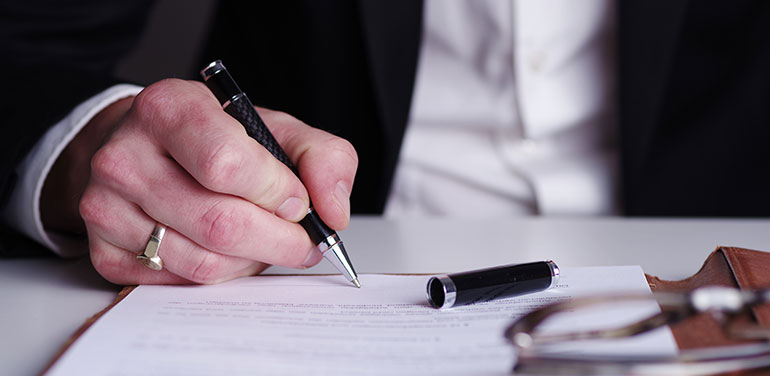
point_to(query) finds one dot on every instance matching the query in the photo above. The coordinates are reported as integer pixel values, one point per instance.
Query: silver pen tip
(355, 282)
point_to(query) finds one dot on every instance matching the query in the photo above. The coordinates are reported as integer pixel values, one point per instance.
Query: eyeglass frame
(723, 303)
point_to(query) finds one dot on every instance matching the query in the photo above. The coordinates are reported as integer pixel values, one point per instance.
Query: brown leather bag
(726, 266)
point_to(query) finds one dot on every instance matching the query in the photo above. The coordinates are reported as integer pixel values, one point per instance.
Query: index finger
(215, 149)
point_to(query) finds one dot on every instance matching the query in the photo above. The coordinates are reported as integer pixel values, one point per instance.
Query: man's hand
(177, 158)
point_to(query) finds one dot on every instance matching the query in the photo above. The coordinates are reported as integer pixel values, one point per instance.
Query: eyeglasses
(532, 338)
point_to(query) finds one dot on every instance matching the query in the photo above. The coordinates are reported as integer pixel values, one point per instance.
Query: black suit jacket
(694, 85)
(694, 92)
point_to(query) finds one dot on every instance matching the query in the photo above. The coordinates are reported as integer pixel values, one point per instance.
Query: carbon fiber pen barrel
(235, 102)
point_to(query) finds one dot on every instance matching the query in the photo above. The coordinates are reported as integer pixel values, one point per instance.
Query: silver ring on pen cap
(150, 257)
(213, 68)
(442, 292)
(555, 273)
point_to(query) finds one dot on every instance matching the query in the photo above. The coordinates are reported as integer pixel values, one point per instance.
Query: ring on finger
(150, 257)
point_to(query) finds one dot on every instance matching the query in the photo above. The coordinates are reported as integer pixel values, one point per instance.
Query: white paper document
(320, 325)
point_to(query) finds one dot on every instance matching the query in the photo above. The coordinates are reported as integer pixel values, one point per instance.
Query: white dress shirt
(513, 111)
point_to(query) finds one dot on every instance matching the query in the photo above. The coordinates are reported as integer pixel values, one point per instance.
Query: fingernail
(342, 197)
(313, 257)
(293, 209)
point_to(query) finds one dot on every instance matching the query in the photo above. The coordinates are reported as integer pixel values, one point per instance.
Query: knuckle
(92, 209)
(221, 167)
(97, 258)
(155, 100)
(344, 149)
(106, 265)
(161, 105)
(113, 164)
(222, 226)
(208, 269)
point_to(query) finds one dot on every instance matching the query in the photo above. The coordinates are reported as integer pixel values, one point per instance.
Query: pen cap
(483, 285)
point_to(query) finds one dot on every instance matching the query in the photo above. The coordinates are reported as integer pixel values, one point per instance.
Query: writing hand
(177, 158)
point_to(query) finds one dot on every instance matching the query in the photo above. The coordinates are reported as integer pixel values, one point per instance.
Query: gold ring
(150, 257)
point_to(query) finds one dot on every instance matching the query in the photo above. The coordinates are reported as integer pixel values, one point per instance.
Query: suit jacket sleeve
(55, 54)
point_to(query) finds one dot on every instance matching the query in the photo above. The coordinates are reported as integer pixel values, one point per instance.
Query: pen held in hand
(237, 105)
(451, 290)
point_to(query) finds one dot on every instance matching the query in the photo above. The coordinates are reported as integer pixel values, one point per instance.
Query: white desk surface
(43, 301)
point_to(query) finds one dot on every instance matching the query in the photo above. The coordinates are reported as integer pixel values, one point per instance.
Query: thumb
(326, 163)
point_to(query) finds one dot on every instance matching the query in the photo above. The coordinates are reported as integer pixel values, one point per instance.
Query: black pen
(235, 103)
(483, 285)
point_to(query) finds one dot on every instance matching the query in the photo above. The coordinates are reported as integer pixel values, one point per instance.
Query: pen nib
(339, 258)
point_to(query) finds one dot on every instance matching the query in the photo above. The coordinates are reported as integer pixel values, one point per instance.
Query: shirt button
(537, 60)
(527, 145)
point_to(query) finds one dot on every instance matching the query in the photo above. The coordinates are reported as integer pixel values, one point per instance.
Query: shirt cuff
(23, 210)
